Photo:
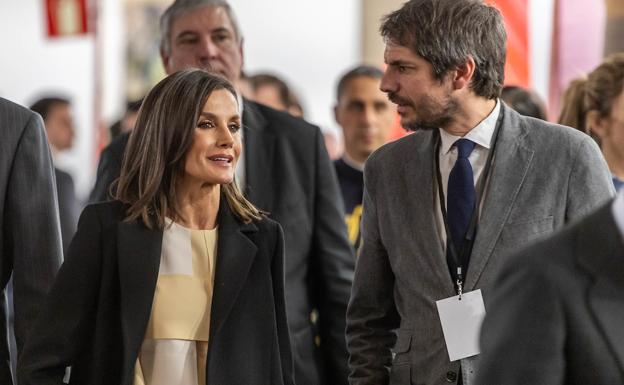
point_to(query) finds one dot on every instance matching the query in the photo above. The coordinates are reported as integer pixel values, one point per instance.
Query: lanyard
(465, 251)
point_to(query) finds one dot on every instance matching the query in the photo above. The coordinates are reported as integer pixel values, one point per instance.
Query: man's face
(204, 38)
(60, 127)
(423, 101)
(365, 115)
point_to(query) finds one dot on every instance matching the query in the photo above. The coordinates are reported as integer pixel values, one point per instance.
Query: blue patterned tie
(460, 197)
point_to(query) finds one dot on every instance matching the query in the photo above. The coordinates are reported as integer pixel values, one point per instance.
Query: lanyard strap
(456, 257)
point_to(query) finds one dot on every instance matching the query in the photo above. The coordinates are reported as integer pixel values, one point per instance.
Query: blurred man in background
(366, 117)
(59, 126)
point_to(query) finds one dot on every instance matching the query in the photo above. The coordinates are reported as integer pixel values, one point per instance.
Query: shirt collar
(481, 134)
(618, 211)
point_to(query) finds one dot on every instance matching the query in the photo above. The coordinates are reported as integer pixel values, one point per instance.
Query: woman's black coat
(96, 315)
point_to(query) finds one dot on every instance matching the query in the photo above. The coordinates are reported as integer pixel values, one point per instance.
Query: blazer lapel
(235, 254)
(601, 252)
(258, 147)
(509, 169)
(138, 250)
(419, 167)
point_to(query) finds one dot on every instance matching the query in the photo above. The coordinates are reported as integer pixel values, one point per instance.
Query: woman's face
(217, 143)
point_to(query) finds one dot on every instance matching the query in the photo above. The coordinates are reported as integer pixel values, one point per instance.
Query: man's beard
(430, 114)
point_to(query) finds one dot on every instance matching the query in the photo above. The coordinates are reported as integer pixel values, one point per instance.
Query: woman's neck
(198, 205)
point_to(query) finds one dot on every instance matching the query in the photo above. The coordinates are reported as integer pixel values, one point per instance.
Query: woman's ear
(597, 124)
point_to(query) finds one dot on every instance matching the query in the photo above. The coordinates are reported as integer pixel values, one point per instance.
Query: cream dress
(175, 345)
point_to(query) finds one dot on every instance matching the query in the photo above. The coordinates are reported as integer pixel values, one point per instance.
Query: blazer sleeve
(32, 237)
(525, 318)
(283, 335)
(372, 313)
(334, 261)
(62, 326)
(590, 183)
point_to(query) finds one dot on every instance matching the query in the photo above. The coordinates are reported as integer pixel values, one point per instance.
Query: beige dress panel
(175, 345)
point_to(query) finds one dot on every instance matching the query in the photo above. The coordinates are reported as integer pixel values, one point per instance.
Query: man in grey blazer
(30, 239)
(557, 310)
(443, 207)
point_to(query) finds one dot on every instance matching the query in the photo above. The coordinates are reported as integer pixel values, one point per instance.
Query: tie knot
(464, 147)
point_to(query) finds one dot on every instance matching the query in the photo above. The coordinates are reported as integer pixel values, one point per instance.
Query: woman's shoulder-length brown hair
(156, 151)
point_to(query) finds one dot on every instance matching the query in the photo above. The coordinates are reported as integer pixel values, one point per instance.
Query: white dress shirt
(482, 136)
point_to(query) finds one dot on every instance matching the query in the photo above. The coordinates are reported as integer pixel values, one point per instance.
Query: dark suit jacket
(30, 239)
(96, 315)
(289, 174)
(68, 206)
(557, 311)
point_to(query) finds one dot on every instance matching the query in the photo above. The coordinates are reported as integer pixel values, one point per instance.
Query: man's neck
(469, 115)
(615, 161)
(355, 162)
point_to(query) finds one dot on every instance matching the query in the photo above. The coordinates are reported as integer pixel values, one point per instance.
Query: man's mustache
(396, 99)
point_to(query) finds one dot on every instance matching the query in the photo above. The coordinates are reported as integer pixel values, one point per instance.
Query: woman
(595, 105)
(180, 280)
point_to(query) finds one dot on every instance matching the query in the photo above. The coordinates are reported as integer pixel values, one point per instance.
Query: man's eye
(221, 37)
(402, 69)
(188, 40)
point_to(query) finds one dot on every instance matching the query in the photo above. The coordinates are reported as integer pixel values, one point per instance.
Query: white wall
(33, 65)
(309, 43)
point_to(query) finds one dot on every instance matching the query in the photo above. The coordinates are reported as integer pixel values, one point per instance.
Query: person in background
(366, 117)
(524, 102)
(128, 120)
(272, 91)
(30, 235)
(595, 104)
(180, 280)
(445, 206)
(285, 171)
(59, 126)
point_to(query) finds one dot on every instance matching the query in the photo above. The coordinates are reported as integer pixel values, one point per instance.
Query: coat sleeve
(590, 184)
(63, 324)
(32, 237)
(334, 261)
(525, 318)
(283, 334)
(372, 314)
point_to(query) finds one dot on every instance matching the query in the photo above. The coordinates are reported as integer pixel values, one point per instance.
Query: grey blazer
(542, 177)
(557, 311)
(30, 239)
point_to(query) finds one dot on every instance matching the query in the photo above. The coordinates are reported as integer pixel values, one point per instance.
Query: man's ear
(241, 51)
(463, 73)
(337, 114)
(165, 59)
(596, 124)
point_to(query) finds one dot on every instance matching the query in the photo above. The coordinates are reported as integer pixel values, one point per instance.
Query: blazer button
(451, 376)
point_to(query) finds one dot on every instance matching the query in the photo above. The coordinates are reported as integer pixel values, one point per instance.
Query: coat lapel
(601, 252)
(258, 147)
(509, 169)
(420, 166)
(138, 250)
(235, 254)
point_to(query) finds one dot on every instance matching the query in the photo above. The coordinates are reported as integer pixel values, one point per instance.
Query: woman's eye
(205, 124)
(234, 127)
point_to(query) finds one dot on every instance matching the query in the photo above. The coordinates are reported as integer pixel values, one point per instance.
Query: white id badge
(461, 323)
